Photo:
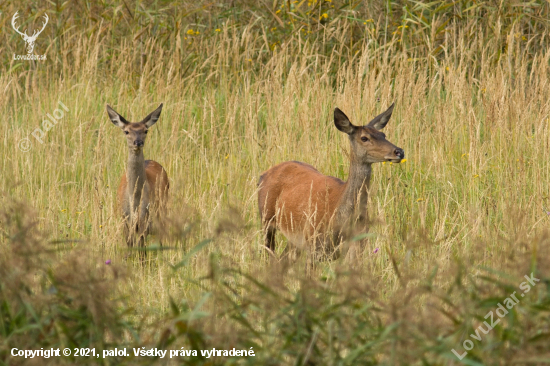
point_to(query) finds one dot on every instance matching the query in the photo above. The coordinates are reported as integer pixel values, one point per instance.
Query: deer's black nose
(138, 143)
(399, 153)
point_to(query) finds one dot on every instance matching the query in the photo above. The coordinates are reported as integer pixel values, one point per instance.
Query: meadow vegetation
(247, 85)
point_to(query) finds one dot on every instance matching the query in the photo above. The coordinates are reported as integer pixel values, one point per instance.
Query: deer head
(29, 39)
(135, 132)
(368, 143)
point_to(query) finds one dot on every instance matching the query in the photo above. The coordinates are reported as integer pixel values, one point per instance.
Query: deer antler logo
(29, 39)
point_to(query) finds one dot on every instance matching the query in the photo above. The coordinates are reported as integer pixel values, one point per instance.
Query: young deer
(143, 189)
(308, 206)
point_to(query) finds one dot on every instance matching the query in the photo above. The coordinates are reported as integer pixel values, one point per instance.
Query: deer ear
(116, 118)
(380, 121)
(342, 123)
(153, 117)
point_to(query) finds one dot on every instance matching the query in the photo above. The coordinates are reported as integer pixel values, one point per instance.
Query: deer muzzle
(397, 155)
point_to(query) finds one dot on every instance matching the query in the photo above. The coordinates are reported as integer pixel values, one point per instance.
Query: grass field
(454, 229)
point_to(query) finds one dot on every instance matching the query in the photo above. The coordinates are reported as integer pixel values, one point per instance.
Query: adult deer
(306, 205)
(144, 187)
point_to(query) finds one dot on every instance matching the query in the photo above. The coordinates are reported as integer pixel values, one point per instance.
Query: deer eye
(146, 132)
(126, 132)
(364, 139)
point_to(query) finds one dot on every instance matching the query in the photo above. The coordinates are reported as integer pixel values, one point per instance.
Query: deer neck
(135, 173)
(352, 208)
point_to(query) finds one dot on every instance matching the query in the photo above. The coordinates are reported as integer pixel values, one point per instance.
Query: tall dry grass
(454, 227)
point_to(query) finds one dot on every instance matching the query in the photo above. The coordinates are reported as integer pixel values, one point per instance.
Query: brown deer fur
(144, 187)
(306, 205)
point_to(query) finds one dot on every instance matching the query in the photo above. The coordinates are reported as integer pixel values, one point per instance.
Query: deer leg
(354, 251)
(142, 252)
(142, 230)
(351, 255)
(126, 233)
(270, 237)
(159, 226)
(334, 249)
